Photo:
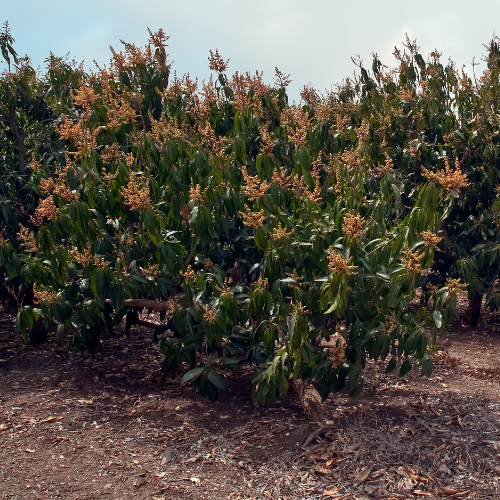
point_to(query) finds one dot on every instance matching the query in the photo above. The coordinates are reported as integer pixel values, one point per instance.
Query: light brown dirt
(115, 427)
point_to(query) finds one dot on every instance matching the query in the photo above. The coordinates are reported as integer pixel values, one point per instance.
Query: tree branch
(19, 138)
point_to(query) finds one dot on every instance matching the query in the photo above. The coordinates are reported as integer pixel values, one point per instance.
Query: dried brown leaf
(330, 493)
(420, 479)
(321, 470)
(448, 491)
(51, 419)
(331, 462)
(363, 474)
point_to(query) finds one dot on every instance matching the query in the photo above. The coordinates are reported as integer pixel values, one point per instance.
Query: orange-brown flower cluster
(46, 210)
(363, 131)
(412, 260)
(35, 164)
(455, 286)
(309, 95)
(301, 189)
(338, 264)
(120, 109)
(302, 123)
(209, 314)
(82, 258)
(216, 63)
(111, 153)
(108, 176)
(322, 112)
(216, 146)
(253, 219)
(386, 168)
(406, 95)
(337, 353)
(341, 122)
(248, 91)
(85, 97)
(189, 86)
(351, 157)
(154, 52)
(261, 284)
(27, 238)
(334, 169)
(164, 129)
(79, 134)
(431, 240)
(197, 195)
(68, 130)
(129, 158)
(267, 144)
(44, 295)
(225, 291)
(465, 81)
(451, 180)
(153, 271)
(280, 233)
(281, 179)
(202, 110)
(49, 186)
(99, 261)
(253, 188)
(281, 79)
(299, 309)
(136, 194)
(296, 278)
(353, 226)
(188, 274)
(390, 324)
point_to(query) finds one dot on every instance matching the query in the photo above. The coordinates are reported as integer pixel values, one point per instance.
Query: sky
(312, 40)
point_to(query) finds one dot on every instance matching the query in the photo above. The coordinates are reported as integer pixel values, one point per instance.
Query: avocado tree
(256, 226)
(426, 116)
(30, 107)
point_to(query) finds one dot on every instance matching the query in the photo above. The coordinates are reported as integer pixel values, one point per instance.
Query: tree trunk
(473, 312)
(19, 139)
(38, 334)
(310, 400)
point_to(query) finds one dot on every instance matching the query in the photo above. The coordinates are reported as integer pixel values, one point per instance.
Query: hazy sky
(313, 40)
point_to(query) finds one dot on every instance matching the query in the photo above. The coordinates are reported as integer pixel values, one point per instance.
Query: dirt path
(113, 427)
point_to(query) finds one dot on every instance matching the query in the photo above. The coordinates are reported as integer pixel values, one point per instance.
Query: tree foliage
(258, 226)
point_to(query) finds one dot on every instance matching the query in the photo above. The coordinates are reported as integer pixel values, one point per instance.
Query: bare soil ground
(115, 427)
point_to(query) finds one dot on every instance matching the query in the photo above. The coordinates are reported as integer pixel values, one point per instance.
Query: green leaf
(192, 374)
(60, 333)
(393, 295)
(426, 366)
(100, 284)
(405, 368)
(217, 380)
(391, 365)
(438, 319)
(304, 158)
(385, 276)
